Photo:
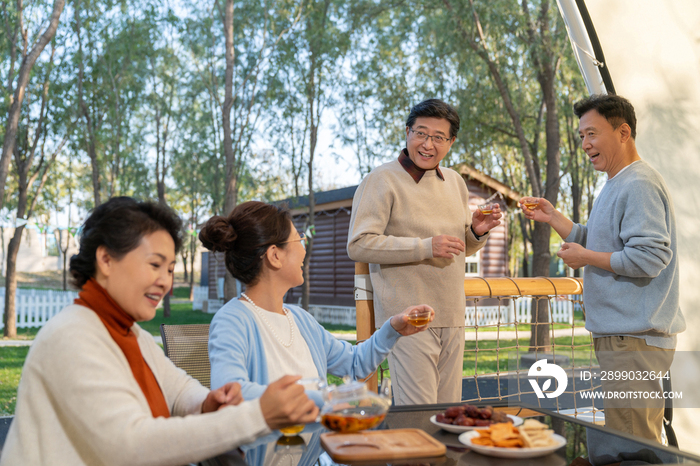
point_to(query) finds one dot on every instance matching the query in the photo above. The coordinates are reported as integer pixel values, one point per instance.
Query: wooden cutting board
(381, 445)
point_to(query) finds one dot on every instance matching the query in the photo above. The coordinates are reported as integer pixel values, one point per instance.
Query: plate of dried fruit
(459, 419)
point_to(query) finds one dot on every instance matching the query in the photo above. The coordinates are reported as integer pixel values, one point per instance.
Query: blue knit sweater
(633, 217)
(237, 353)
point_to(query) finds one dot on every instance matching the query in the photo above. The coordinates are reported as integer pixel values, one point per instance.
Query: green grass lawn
(181, 292)
(339, 328)
(490, 356)
(521, 327)
(26, 333)
(11, 362)
(180, 314)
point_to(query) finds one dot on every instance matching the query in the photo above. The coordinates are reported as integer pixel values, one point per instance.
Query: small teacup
(486, 209)
(419, 317)
(531, 203)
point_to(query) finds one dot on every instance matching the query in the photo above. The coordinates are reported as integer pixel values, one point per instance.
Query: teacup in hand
(486, 209)
(530, 203)
(419, 317)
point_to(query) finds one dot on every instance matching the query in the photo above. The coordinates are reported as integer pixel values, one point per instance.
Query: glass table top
(587, 444)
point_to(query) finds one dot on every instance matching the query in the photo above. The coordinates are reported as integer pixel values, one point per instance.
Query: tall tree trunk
(24, 158)
(313, 135)
(578, 171)
(91, 146)
(316, 34)
(64, 251)
(2, 244)
(13, 114)
(540, 335)
(306, 287)
(229, 154)
(193, 250)
(65, 262)
(184, 255)
(166, 298)
(10, 317)
(546, 62)
(23, 206)
(68, 232)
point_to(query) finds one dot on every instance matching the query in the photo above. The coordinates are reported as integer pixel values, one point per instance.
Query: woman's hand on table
(285, 403)
(228, 395)
(402, 322)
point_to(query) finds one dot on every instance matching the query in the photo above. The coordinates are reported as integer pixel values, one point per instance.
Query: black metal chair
(187, 348)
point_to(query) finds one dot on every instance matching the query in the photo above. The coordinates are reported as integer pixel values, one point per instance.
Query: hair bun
(218, 234)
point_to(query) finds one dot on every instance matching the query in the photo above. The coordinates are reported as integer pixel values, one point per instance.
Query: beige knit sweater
(79, 404)
(391, 227)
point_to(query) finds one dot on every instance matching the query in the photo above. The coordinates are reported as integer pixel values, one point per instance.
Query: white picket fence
(518, 310)
(562, 311)
(337, 315)
(33, 308)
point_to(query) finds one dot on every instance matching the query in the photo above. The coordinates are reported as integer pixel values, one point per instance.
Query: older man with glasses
(412, 223)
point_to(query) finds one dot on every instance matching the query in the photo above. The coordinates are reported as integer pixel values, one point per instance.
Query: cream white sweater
(392, 224)
(79, 404)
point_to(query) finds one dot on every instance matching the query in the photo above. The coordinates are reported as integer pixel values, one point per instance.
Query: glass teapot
(352, 407)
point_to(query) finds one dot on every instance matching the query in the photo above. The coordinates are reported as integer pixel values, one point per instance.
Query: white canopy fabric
(652, 55)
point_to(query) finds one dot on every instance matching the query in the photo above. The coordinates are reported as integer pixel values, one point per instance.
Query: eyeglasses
(302, 239)
(437, 140)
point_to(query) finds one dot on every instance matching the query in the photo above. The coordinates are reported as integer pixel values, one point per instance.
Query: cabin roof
(342, 197)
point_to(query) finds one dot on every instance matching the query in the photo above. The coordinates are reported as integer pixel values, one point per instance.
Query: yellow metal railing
(509, 329)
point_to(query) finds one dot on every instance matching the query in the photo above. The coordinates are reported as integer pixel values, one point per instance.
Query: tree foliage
(155, 104)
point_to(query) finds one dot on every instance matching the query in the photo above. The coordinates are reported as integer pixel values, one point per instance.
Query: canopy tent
(649, 52)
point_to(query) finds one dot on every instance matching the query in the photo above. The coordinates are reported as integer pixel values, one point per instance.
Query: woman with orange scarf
(95, 387)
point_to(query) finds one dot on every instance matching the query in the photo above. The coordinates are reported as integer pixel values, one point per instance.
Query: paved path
(504, 335)
(4, 342)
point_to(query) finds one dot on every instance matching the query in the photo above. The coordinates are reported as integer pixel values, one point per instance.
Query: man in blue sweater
(629, 253)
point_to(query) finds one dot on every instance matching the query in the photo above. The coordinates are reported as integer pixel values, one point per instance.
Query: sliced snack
(535, 434)
(502, 435)
(506, 436)
(532, 434)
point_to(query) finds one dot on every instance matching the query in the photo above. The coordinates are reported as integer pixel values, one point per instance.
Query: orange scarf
(119, 324)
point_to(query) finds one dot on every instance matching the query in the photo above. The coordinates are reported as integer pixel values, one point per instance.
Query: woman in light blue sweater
(256, 338)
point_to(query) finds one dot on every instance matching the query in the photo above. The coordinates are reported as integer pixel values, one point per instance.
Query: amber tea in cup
(419, 318)
(292, 430)
(531, 203)
(486, 209)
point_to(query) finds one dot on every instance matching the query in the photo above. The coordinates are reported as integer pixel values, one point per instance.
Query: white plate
(500, 452)
(459, 429)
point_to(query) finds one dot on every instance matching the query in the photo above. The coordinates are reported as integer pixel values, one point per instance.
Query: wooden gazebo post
(364, 307)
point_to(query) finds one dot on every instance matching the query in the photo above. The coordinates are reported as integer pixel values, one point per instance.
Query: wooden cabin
(332, 271)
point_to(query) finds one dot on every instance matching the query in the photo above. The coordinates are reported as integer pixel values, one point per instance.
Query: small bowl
(419, 317)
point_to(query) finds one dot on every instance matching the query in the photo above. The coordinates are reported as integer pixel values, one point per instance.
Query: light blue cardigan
(237, 354)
